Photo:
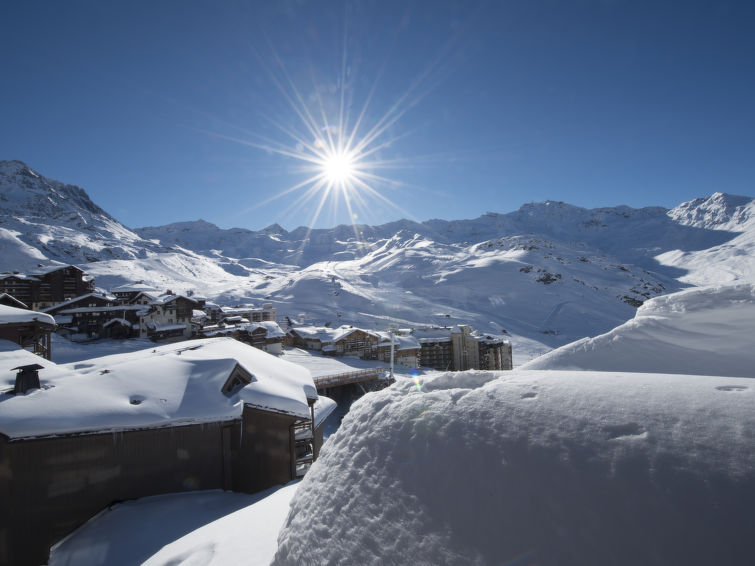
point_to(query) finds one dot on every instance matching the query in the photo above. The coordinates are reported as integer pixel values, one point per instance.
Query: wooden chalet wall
(264, 456)
(50, 486)
(18, 287)
(46, 289)
(358, 343)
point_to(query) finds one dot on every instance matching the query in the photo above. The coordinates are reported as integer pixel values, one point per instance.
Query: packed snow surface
(207, 528)
(703, 331)
(534, 467)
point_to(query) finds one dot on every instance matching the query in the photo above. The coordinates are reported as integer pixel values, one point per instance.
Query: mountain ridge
(545, 274)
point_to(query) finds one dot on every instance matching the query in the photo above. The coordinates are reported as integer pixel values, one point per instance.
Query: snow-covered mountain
(42, 216)
(546, 274)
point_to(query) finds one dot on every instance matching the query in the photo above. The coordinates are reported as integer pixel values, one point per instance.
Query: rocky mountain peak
(719, 211)
(26, 193)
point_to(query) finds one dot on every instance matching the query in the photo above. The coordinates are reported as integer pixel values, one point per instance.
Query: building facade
(46, 286)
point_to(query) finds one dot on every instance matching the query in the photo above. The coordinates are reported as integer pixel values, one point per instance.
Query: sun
(339, 167)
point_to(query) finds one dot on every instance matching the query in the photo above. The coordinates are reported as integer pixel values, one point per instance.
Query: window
(238, 379)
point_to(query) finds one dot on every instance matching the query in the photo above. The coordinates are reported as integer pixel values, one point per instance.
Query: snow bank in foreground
(207, 528)
(535, 467)
(705, 331)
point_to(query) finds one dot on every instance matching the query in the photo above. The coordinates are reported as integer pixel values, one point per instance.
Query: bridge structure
(325, 382)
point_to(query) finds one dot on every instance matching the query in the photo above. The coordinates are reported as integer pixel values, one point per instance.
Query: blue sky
(170, 111)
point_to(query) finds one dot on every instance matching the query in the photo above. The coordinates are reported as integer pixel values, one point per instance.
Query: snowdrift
(535, 468)
(705, 331)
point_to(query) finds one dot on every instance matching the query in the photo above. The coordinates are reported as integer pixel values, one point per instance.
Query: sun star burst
(339, 167)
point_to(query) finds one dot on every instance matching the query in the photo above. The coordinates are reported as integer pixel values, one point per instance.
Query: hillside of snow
(534, 467)
(702, 331)
(727, 262)
(543, 276)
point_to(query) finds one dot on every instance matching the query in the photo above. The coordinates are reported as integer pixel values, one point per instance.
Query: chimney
(27, 378)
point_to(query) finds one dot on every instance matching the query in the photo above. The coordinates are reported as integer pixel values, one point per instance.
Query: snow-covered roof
(344, 331)
(18, 276)
(165, 327)
(12, 355)
(167, 298)
(12, 299)
(112, 308)
(487, 338)
(273, 329)
(235, 319)
(328, 335)
(443, 334)
(174, 384)
(112, 321)
(63, 319)
(132, 288)
(321, 333)
(78, 299)
(323, 407)
(433, 334)
(45, 269)
(211, 331)
(13, 315)
(400, 342)
(236, 310)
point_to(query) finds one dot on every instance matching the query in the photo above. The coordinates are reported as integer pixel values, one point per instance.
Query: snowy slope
(546, 274)
(567, 468)
(727, 262)
(703, 331)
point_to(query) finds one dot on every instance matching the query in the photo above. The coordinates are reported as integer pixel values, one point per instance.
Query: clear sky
(176, 110)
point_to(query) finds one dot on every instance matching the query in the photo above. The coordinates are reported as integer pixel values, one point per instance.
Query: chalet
(351, 341)
(204, 414)
(214, 312)
(96, 315)
(28, 329)
(342, 341)
(46, 285)
(168, 317)
(265, 313)
(266, 336)
(311, 337)
(88, 300)
(199, 318)
(406, 349)
(127, 294)
(141, 298)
